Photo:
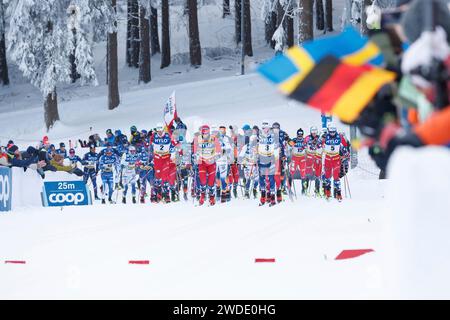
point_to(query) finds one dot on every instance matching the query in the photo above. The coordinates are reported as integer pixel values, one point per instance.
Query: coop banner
(5, 189)
(65, 193)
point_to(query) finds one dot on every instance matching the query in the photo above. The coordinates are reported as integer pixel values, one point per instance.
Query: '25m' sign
(66, 193)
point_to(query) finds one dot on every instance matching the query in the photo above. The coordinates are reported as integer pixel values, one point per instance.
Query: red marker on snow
(348, 254)
(258, 260)
(139, 262)
(15, 262)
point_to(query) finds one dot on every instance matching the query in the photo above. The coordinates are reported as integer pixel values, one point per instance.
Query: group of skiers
(261, 161)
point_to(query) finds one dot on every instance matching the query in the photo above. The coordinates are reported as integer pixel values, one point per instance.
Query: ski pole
(345, 187)
(348, 186)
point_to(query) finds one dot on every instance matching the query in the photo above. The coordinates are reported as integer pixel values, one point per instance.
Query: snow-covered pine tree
(39, 45)
(269, 16)
(4, 78)
(41, 40)
(284, 34)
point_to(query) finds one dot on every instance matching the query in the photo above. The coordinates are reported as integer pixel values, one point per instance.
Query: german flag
(289, 69)
(333, 86)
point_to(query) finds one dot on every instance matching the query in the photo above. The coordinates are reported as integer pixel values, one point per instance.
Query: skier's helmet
(246, 127)
(133, 129)
(276, 125)
(313, 130)
(205, 130)
(72, 151)
(109, 131)
(300, 132)
(62, 145)
(331, 128)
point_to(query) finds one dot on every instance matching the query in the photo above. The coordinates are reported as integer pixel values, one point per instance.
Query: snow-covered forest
(56, 49)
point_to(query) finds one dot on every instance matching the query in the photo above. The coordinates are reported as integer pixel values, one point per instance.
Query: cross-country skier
(298, 159)
(161, 144)
(206, 149)
(233, 176)
(248, 161)
(280, 175)
(267, 146)
(146, 173)
(90, 163)
(183, 161)
(332, 164)
(314, 158)
(128, 164)
(107, 163)
(224, 160)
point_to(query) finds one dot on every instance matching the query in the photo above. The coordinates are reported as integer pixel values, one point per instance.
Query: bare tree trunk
(113, 72)
(74, 75)
(320, 16)
(305, 21)
(165, 56)
(247, 29)
(289, 30)
(154, 31)
(195, 50)
(280, 20)
(144, 65)
(51, 109)
(237, 21)
(364, 29)
(270, 27)
(4, 78)
(128, 46)
(273, 21)
(135, 45)
(226, 8)
(329, 14)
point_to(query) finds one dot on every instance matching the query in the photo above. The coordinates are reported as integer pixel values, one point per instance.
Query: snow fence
(27, 186)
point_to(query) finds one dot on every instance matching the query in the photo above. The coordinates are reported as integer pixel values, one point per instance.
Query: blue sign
(66, 193)
(5, 189)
